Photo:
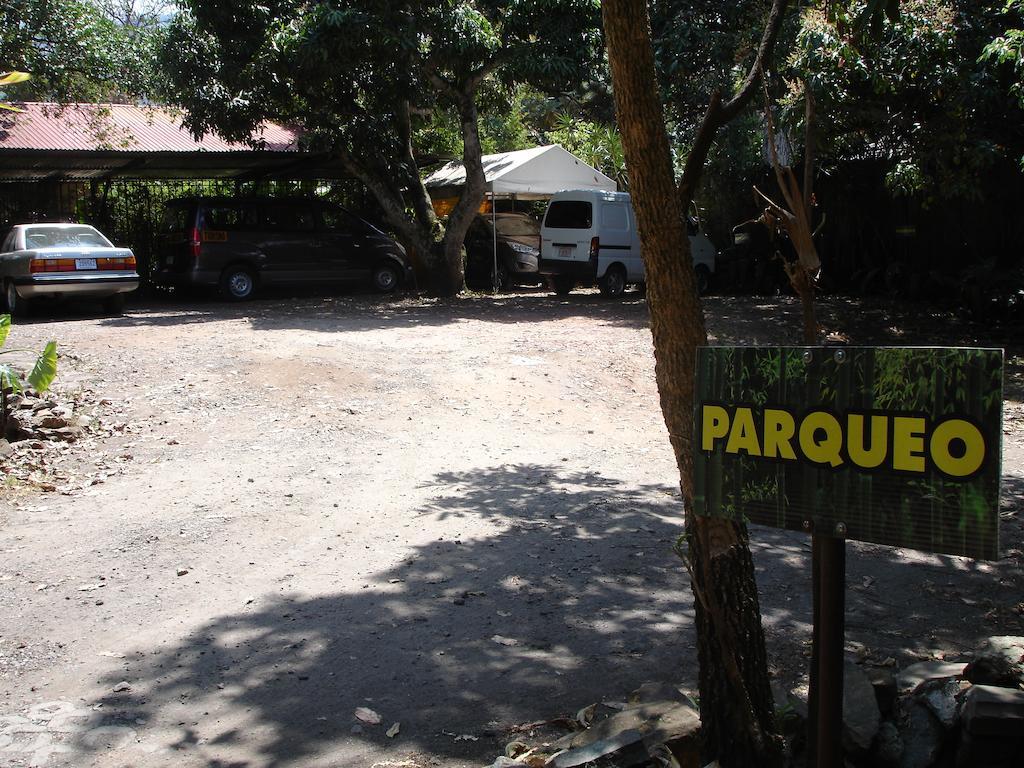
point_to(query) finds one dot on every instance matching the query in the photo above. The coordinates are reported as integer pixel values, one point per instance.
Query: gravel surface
(458, 515)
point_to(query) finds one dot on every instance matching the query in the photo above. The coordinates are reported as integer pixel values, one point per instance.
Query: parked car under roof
(60, 261)
(514, 238)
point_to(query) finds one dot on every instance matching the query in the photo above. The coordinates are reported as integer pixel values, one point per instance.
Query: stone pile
(657, 727)
(932, 714)
(51, 442)
(935, 714)
(41, 417)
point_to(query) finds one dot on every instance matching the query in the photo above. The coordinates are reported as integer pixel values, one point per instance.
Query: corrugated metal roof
(120, 128)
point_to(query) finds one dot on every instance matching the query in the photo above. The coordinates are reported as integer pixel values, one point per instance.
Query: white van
(589, 236)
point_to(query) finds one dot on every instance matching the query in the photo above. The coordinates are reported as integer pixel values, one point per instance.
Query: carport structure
(115, 164)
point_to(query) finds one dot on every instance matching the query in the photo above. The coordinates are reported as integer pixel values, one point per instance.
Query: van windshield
(569, 214)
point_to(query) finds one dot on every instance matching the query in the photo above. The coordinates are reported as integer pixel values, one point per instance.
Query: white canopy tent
(527, 174)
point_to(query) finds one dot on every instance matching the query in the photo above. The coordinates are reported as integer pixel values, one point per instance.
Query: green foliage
(342, 70)
(503, 126)
(702, 47)
(909, 93)
(79, 50)
(377, 83)
(1006, 52)
(43, 371)
(595, 143)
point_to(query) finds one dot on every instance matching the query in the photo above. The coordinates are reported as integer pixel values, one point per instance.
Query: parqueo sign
(893, 445)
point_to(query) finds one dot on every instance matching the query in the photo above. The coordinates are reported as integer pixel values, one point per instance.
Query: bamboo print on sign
(897, 446)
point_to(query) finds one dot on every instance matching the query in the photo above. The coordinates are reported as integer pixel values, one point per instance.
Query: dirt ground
(457, 514)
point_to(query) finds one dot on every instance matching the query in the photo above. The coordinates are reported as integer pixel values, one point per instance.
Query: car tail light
(51, 265)
(117, 263)
(595, 246)
(120, 263)
(194, 242)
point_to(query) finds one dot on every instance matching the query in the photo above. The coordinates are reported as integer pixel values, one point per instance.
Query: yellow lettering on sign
(826, 449)
(879, 441)
(973, 448)
(714, 426)
(908, 443)
(870, 456)
(779, 428)
(743, 435)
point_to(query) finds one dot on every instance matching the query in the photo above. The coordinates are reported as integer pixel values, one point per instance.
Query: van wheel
(613, 284)
(562, 284)
(385, 277)
(702, 278)
(13, 303)
(238, 283)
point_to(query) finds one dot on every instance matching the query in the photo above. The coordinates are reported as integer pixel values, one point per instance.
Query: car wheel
(702, 278)
(114, 305)
(238, 283)
(14, 304)
(613, 284)
(386, 277)
(562, 284)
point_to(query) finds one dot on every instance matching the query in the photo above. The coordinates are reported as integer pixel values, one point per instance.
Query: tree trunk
(422, 252)
(416, 234)
(473, 193)
(736, 702)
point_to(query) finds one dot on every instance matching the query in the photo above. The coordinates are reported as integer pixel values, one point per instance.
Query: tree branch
(771, 32)
(718, 113)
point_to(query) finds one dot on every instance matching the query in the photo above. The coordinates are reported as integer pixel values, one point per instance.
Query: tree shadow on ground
(368, 312)
(576, 597)
(730, 319)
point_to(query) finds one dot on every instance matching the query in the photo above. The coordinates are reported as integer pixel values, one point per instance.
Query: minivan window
(226, 217)
(175, 218)
(340, 220)
(614, 216)
(569, 214)
(287, 218)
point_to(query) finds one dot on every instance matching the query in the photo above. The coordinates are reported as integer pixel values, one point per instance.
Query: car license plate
(564, 252)
(85, 263)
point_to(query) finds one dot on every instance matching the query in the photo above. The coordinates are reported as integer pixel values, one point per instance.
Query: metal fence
(129, 211)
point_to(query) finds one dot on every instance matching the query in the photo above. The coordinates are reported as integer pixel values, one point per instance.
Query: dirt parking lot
(458, 514)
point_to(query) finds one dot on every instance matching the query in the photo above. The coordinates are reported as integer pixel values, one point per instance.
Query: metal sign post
(825, 700)
(494, 235)
(893, 445)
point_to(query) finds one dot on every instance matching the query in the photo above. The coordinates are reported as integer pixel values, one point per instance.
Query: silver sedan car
(64, 261)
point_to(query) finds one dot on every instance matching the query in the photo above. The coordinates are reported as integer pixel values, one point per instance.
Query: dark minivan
(240, 244)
